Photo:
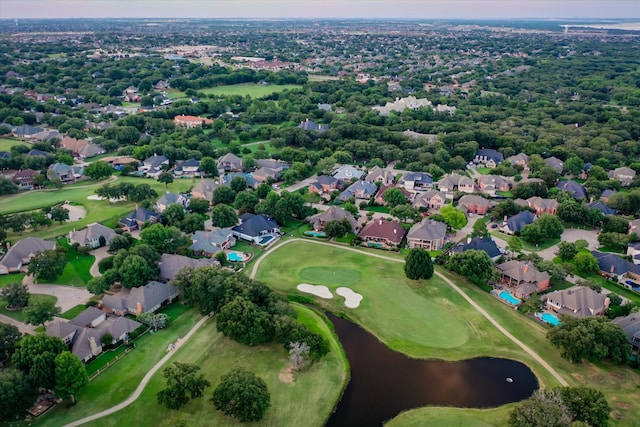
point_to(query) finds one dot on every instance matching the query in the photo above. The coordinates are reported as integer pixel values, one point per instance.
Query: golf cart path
(134, 396)
(475, 305)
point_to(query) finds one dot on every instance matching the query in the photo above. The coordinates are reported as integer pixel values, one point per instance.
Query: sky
(462, 9)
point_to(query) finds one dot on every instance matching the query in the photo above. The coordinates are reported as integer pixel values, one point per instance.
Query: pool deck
(246, 256)
(496, 294)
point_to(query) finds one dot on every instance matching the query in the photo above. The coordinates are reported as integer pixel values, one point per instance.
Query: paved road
(299, 185)
(67, 296)
(482, 311)
(22, 327)
(138, 391)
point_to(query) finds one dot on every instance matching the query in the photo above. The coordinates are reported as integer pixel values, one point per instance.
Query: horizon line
(328, 18)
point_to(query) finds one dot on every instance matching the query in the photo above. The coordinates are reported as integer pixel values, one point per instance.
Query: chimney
(468, 240)
(380, 221)
(138, 308)
(395, 231)
(95, 350)
(526, 267)
(612, 269)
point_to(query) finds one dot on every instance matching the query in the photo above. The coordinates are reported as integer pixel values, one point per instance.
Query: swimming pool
(551, 319)
(315, 233)
(234, 257)
(265, 240)
(506, 296)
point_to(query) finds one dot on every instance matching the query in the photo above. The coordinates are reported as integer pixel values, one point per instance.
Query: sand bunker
(76, 213)
(95, 197)
(351, 299)
(318, 290)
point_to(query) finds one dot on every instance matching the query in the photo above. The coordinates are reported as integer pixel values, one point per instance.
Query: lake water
(385, 383)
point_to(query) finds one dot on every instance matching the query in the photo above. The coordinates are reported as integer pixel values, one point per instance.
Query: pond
(384, 383)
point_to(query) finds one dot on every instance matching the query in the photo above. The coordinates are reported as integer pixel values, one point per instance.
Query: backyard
(76, 272)
(7, 143)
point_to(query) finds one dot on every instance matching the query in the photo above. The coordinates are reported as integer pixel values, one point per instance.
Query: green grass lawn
(252, 89)
(18, 314)
(527, 246)
(73, 312)
(7, 279)
(7, 143)
(76, 272)
(483, 171)
(380, 209)
(318, 387)
(504, 193)
(453, 417)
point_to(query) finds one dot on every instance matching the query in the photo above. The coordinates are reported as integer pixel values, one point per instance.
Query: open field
(251, 89)
(318, 387)
(7, 143)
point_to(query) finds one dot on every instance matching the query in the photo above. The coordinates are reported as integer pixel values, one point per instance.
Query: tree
(98, 285)
(223, 216)
(238, 184)
(567, 250)
(544, 409)
(614, 240)
(71, 375)
(17, 223)
(406, 212)
(166, 178)
(337, 228)
(505, 208)
(199, 206)
(59, 213)
(41, 311)
(16, 295)
(31, 347)
(245, 322)
(191, 223)
(242, 395)
(514, 245)
(209, 166)
(7, 186)
(117, 243)
(614, 224)
(141, 192)
(9, 335)
(298, 351)
(173, 215)
(162, 238)
(43, 370)
(325, 165)
(17, 394)
(587, 405)
(183, 384)
(455, 218)
(135, 271)
(418, 264)
(545, 228)
(571, 211)
(154, 321)
(586, 263)
(47, 265)
(573, 166)
(480, 229)
(98, 170)
(246, 201)
(473, 264)
(394, 197)
(223, 195)
(591, 338)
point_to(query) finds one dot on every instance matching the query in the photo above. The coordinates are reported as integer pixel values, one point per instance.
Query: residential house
(624, 174)
(542, 206)
(84, 332)
(324, 184)
(555, 164)
(131, 94)
(606, 210)
(137, 218)
(65, 173)
(634, 226)
(229, 163)
(576, 190)
(208, 243)
(417, 182)
(26, 131)
(614, 267)
(147, 298)
(204, 190)
(377, 174)
(384, 188)
(228, 177)
(432, 199)
(428, 137)
(81, 148)
(190, 122)
(347, 173)
(456, 182)
(519, 160)
(170, 198)
(471, 203)
(518, 222)
(360, 190)
(189, 168)
(92, 235)
(310, 125)
(334, 213)
(277, 165)
(401, 104)
(170, 265)
(606, 195)
(488, 157)
(24, 179)
(631, 326)
(153, 166)
(427, 234)
(577, 301)
(485, 244)
(523, 278)
(36, 153)
(490, 184)
(633, 251)
(259, 229)
(382, 233)
(266, 175)
(22, 252)
(117, 162)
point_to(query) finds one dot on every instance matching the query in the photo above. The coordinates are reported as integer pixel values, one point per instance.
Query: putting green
(330, 275)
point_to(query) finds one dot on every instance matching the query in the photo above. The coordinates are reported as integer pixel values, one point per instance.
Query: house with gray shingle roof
(171, 264)
(517, 222)
(208, 243)
(334, 213)
(137, 218)
(91, 235)
(229, 163)
(147, 298)
(432, 199)
(485, 244)
(65, 173)
(631, 326)
(255, 228)
(153, 166)
(347, 173)
(378, 174)
(204, 190)
(576, 190)
(555, 163)
(577, 301)
(606, 210)
(360, 190)
(170, 198)
(488, 157)
(313, 126)
(624, 174)
(417, 181)
(22, 252)
(427, 234)
(523, 278)
(615, 267)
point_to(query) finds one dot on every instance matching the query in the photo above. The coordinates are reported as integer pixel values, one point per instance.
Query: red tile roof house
(191, 121)
(471, 203)
(382, 233)
(523, 278)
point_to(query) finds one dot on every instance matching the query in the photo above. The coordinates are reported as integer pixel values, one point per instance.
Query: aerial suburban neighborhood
(212, 222)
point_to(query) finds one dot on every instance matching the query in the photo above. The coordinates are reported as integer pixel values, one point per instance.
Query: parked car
(494, 225)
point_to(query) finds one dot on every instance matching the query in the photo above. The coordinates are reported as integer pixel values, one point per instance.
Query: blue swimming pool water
(551, 319)
(509, 298)
(233, 256)
(265, 240)
(315, 233)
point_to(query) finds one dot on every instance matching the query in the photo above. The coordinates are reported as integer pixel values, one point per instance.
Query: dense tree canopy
(242, 395)
(183, 383)
(418, 264)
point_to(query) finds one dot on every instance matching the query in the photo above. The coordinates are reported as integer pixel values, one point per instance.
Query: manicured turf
(76, 272)
(18, 314)
(73, 312)
(252, 89)
(453, 417)
(330, 275)
(7, 143)
(6, 279)
(307, 401)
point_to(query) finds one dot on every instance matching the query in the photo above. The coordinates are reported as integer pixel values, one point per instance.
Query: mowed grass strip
(330, 275)
(308, 400)
(453, 417)
(252, 89)
(7, 143)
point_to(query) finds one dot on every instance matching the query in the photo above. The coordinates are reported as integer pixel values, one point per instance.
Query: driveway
(299, 185)
(100, 254)
(571, 235)
(67, 296)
